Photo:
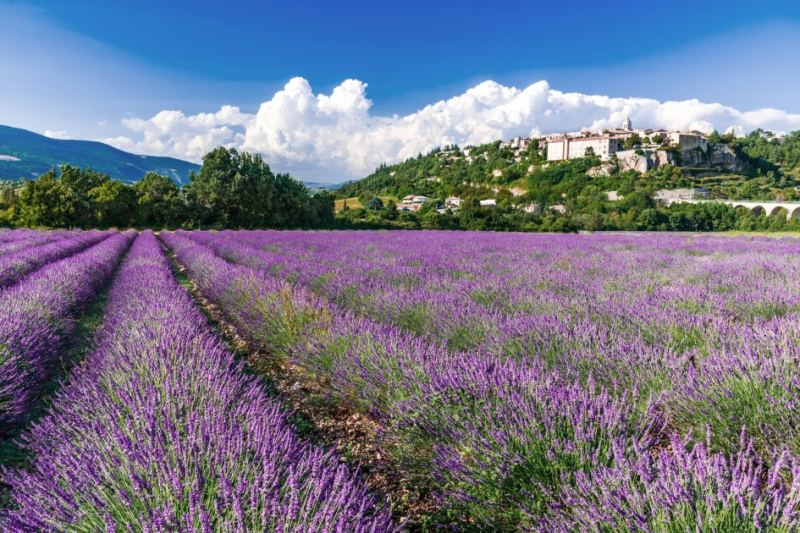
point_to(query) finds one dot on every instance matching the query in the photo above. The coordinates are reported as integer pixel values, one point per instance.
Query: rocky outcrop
(716, 156)
(659, 158)
(603, 170)
(630, 160)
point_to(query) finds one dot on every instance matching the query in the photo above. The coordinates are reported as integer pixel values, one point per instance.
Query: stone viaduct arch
(770, 208)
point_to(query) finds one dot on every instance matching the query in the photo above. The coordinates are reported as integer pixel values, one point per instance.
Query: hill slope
(758, 166)
(24, 154)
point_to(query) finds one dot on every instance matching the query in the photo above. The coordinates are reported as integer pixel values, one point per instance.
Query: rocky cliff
(717, 156)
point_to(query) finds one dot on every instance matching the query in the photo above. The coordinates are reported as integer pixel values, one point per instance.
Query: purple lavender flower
(161, 429)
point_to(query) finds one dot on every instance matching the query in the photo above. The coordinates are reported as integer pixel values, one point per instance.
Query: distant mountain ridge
(314, 186)
(25, 154)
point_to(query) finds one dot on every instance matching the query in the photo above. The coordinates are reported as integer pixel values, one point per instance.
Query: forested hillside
(24, 154)
(518, 179)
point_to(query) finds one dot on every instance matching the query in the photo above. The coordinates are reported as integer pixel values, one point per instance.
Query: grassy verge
(353, 202)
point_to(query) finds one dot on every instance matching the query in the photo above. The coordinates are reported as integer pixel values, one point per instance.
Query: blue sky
(105, 70)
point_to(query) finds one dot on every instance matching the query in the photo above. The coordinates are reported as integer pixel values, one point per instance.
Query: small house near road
(415, 199)
(453, 202)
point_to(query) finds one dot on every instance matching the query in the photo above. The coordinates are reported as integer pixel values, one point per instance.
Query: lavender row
(161, 430)
(718, 351)
(7, 235)
(37, 317)
(652, 360)
(506, 270)
(33, 240)
(667, 293)
(15, 266)
(474, 397)
(479, 418)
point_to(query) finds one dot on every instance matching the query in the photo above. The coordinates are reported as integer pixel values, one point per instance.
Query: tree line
(591, 211)
(232, 190)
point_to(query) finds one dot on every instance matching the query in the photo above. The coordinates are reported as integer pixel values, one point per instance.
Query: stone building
(687, 141)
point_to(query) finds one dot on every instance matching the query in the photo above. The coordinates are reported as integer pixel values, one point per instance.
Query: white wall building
(566, 148)
(415, 199)
(608, 143)
(453, 202)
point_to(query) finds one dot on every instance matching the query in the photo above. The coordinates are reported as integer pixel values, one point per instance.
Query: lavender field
(518, 382)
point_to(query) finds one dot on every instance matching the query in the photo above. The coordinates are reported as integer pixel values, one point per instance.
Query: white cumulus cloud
(334, 137)
(62, 135)
(171, 133)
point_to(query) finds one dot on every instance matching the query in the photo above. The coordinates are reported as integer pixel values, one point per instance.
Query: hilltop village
(584, 180)
(627, 148)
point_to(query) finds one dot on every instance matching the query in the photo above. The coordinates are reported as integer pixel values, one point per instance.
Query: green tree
(389, 211)
(715, 137)
(114, 204)
(504, 200)
(236, 190)
(8, 196)
(159, 202)
(290, 205)
(82, 181)
(632, 142)
(375, 204)
(323, 206)
(750, 190)
(47, 202)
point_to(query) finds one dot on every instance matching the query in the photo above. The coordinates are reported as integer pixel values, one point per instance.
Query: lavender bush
(161, 431)
(38, 315)
(511, 369)
(684, 489)
(31, 240)
(438, 406)
(14, 266)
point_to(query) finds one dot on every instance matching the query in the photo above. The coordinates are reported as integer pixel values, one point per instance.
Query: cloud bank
(335, 138)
